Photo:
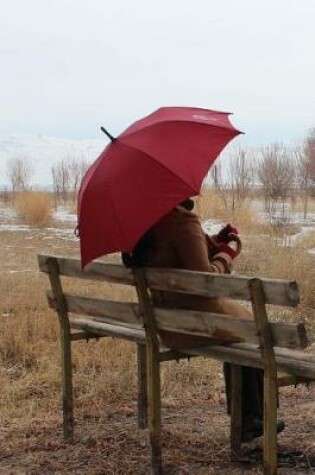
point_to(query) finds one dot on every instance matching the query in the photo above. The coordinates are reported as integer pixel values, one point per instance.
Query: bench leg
(67, 392)
(142, 388)
(65, 338)
(154, 397)
(236, 410)
(270, 424)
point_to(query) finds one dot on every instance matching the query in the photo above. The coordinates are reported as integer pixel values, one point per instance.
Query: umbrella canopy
(142, 174)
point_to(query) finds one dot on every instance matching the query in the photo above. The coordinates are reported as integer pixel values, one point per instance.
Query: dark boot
(253, 428)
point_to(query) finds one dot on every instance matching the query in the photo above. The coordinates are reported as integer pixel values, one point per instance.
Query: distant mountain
(43, 152)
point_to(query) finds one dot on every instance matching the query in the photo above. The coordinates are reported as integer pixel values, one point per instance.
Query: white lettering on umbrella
(205, 117)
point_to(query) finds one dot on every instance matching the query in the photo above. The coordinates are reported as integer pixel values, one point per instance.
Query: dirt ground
(107, 439)
(195, 441)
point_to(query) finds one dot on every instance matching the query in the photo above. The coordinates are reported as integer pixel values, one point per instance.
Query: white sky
(69, 66)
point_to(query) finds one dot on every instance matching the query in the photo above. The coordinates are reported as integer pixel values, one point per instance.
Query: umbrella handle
(110, 136)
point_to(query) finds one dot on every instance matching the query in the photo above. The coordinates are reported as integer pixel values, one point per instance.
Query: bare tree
(276, 173)
(216, 179)
(234, 182)
(305, 161)
(76, 170)
(310, 152)
(19, 172)
(215, 175)
(67, 176)
(60, 176)
(239, 177)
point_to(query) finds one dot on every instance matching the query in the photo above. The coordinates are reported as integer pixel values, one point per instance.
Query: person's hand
(226, 234)
(232, 244)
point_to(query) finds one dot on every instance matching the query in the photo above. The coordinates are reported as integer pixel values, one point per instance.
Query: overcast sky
(69, 66)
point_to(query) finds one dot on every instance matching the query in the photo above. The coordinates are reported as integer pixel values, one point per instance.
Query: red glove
(224, 235)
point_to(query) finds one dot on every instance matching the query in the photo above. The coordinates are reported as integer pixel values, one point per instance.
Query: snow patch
(8, 213)
(212, 226)
(15, 228)
(62, 214)
(293, 240)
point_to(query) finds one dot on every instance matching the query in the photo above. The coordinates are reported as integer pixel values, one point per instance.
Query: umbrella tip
(110, 136)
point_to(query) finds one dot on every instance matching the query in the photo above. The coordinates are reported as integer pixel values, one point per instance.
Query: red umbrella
(142, 174)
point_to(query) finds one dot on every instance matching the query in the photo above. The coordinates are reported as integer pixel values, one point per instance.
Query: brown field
(107, 440)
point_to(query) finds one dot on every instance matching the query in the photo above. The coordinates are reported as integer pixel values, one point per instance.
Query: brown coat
(180, 242)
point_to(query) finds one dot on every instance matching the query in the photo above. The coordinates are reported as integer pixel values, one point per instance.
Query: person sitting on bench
(177, 240)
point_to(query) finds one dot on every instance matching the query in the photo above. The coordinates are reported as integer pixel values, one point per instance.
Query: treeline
(66, 177)
(277, 172)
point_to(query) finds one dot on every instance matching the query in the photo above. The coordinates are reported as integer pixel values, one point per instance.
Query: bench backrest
(126, 318)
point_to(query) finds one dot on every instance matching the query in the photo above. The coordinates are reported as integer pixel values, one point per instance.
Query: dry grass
(107, 440)
(298, 205)
(209, 205)
(34, 208)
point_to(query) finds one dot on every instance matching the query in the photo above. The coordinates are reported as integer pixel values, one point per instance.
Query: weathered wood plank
(153, 370)
(96, 270)
(78, 335)
(270, 376)
(106, 329)
(289, 361)
(278, 292)
(228, 328)
(142, 387)
(224, 328)
(291, 380)
(107, 310)
(65, 340)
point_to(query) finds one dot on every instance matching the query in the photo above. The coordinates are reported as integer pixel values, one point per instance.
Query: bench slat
(278, 292)
(289, 361)
(291, 380)
(229, 328)
(107, 310)
(106, 329)
(226, 328)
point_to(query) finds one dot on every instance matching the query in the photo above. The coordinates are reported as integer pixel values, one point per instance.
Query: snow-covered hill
(43, 152)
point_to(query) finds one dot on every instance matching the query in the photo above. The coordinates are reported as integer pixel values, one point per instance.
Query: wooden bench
(274, 346)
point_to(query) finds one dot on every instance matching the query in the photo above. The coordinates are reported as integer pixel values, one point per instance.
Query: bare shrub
(233, 182)
(34, 208)
(67, 176)
(276, 173)
(77, 168)
(60, 176)
(305, 161)
(19, 173)
(239, 177)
